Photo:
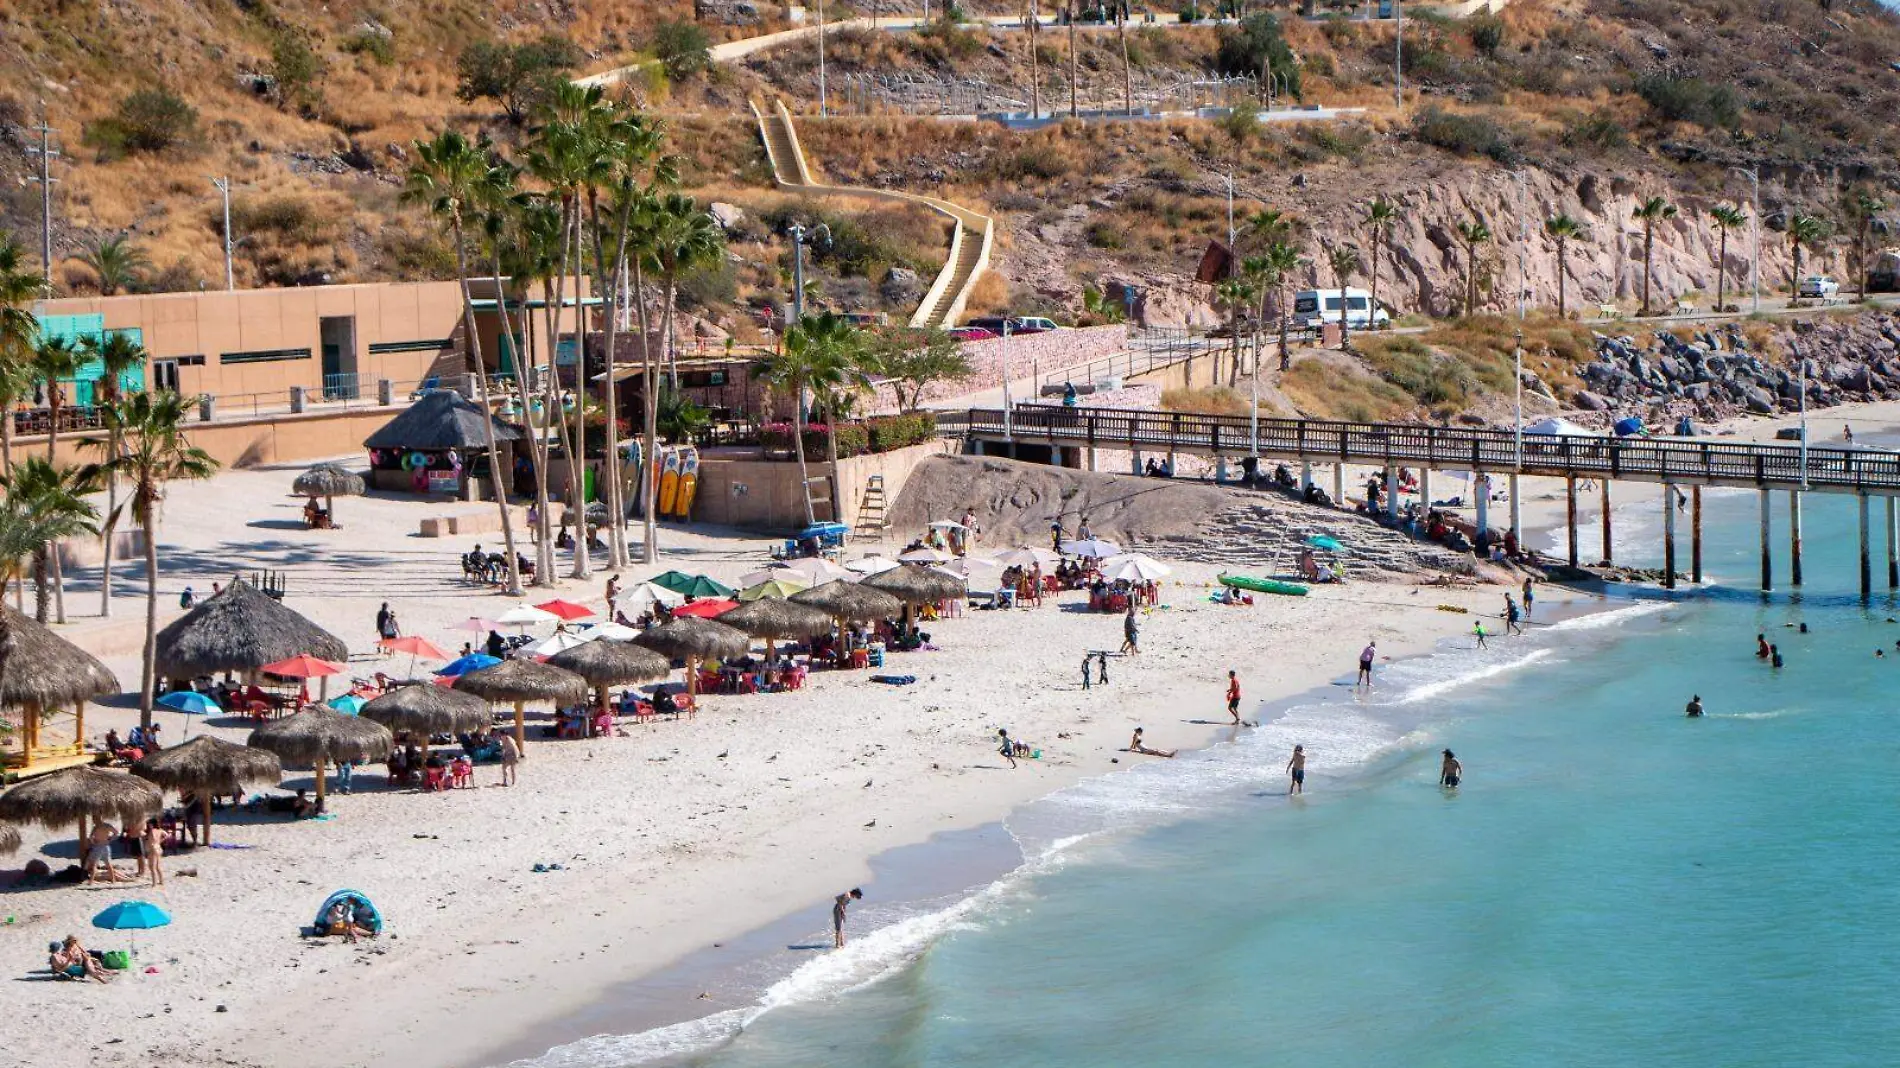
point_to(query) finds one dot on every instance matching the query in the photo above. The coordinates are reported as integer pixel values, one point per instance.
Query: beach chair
(435, 779)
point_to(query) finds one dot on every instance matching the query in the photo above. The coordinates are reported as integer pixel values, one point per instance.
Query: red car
(971, 333)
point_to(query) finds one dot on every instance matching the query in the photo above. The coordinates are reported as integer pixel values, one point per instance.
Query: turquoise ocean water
(1614, 884)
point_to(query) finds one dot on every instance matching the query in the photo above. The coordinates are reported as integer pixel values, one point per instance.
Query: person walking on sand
(152, 852)
(1233, 696)
(1131, 631)
(838, 906)
(1450, 772)
(1694, 711)
(1366, 657)
(510, 757)
(1086, 658)
(1101, 668)
(1296, 772)
(1529, 596)
(1477, 628)
(1511, 624)
(1006, 747)
(1055, 535)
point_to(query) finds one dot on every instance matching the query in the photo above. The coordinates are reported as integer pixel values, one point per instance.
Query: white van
(1314, 307)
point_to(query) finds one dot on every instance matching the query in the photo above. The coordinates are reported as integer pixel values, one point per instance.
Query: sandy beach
(672, 836)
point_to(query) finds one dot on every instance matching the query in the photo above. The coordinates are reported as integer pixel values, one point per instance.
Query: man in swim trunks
(1366, 657)
(1511, 624)
(1296, 771)
(838, 905)
(1233, 696)
(1762, 648)
(1450, 771)
(1694, 711)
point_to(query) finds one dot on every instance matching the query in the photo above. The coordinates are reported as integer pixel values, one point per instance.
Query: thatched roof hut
(328, 480)
(519, 681)
(439, 419)
(692, 638)
(428, 709)
(774, 617)
(44, 670)
(9, 839)
(852, 602)
(604, 664)
(209, 767)
(76, 795)
(916, 585)
(318, 735)
(240, 629)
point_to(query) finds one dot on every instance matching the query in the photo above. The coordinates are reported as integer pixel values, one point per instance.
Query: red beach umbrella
(566, 609)
(706, 609)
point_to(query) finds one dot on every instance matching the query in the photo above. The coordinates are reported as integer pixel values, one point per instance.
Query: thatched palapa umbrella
(915, 585)
(692, 639)
(9, 839)
(850, 602)
(77, 795)
(329, 482)
(44, 672)
(317, 735)
(774, 619)
(605, 664)
(520, 681)
(209, 767)
(240, 629)
(427, 709)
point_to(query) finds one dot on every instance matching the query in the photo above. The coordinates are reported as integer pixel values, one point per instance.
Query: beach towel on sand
(894, 680)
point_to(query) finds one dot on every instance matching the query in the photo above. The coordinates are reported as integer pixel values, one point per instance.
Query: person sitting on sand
(70, 960)
(1135, 746)
(341, 920)
(303, 808)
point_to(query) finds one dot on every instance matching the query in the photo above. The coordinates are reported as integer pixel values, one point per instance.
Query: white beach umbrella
(560, 642)
(1134, 567)
(872, 565)
(1094, 548)
(926, 555)
(1029, 556)
(635, 599)
(947, 524)
(612, 632)
(814, 570)
(526, 615)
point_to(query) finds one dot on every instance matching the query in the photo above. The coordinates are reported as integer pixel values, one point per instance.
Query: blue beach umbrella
(1326, 542)
(132, 916)
(466, 664)
(349, 704)
(190, 702)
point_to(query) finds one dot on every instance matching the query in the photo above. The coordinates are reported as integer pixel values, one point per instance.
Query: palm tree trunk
(1075, 67)
(666, 335)
(650, 422)
(110, 528)
(1345, 331)
(1286, 359)
(798, 449)
(1035, 72)
(488, 440)
(577, 456)
(1647, 230)
(555, 414)
(831, 456)
(1721, 273)
(52, 555)
(42, 586)
(148, 661)
(610, 469)
(1377, 236)
(1860, 250)
(1128, 78)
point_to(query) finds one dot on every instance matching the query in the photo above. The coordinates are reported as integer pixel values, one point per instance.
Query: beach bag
(117, 960)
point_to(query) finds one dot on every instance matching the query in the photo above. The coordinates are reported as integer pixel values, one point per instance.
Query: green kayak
(1263, 585)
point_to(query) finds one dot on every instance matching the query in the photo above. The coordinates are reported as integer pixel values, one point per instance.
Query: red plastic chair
(461, 773)
(435, 779)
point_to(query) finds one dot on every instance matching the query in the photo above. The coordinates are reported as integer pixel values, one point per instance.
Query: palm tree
(1342, 259)
(1236, 292)
(1074, 63)
(1804, 231)
(153, 451)
(1260, 275)
(1035, 70)
(18, 331)
(641, 208)
(1725, 217)
(800, 358)
(55, 360)
(525, 237)
(447, 180)
(687, 237)
(1128, 76)
(117, 263)
(1473, 233)
(115, 353)
(1562, 229)
(1282, 260)
(1649, 211)
(57, 496)
(1862, 206)
(1380, 215)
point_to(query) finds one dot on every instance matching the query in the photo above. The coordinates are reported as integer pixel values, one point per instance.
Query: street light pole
(1398, 56)
(224, 187)
(1754, 227)
(823, 110)
(47, 153)
(1517, 399)
(1008, 420)
(1801, 372)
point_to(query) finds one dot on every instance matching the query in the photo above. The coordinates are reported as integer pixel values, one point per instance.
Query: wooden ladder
(870, 524)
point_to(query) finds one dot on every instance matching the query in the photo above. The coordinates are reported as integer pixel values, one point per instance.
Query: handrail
(1687, 460)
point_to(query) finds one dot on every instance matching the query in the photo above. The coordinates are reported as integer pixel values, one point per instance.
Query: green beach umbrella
(1326, 542)
(692, 585)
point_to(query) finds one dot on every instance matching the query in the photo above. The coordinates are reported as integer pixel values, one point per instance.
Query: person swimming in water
(1450, 771)
(1694, 711)
(1763, 649)
(1296, 771)
(1774, 656)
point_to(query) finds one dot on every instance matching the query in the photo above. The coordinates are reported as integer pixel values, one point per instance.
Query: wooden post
(1391, 492)
(1866, 559)
(1137, 454)
(1893, 544)
(1608, 556)
(1695, 533)
(1767, 562)
(1517, 510)
(1794, 537)
(79, 726)
(1570, 507)
(321, 761)
(1669, 535)
(521, 729)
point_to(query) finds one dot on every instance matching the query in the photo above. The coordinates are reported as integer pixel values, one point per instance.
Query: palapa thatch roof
(690, 637)
(851, 601)
(428, 709)
(44, 670)
(440, 419)
(522, 679)
(318, 734)
(774, 617)
(605, 663)
(240, 629)
(66, 797)
(208, 765)
(917, 585)
(9, 839)
(329, 480)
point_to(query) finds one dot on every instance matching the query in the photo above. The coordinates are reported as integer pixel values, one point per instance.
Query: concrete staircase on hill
(970, 241)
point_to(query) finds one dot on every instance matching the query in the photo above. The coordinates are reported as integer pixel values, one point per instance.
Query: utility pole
(823, 109)
(224, 186)
(47, 154)
(797, 230)
(1009, 435)
(1398, 56)
(1753, 174)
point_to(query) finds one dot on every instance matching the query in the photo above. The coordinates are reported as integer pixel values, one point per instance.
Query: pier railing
(1702, 461)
